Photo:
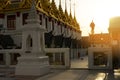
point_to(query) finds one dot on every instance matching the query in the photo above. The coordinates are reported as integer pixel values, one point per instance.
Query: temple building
(99, 51)
(61, 29)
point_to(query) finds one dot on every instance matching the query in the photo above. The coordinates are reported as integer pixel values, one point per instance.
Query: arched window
(29, 43)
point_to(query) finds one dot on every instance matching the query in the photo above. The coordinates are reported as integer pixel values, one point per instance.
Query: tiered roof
(45, 6)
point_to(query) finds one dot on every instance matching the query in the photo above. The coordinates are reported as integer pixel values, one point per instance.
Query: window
(11, 22)
(100, 59)
(46, 22)
(1, 26)
(29, 43)
(25, 15)
(40, 19)
(52, 24)
(2, 61)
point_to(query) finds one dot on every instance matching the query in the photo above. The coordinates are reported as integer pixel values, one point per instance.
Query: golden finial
(92, 25)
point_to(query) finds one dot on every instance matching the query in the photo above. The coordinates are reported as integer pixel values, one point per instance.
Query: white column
(5, 22)
(53, 57)
(43, 20)
(60, 57)
(7, 59)
(18, 21)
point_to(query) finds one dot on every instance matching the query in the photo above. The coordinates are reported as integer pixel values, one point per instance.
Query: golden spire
(92, 26)
(62, 16)
(60, 3)
(54, 11)
(70, 7)
(75, 21)
(70, 16)
(65, 6)
(66, 13)
(45, 5)
(70, 10)
(60, 7)
(74, 10)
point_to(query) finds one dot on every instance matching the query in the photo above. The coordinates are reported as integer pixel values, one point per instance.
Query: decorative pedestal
(32, 65)
(33, 61)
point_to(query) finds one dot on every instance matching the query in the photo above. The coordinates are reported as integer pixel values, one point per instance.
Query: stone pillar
(7, 59)
(5, 22)
(53, 57)
(18, 20)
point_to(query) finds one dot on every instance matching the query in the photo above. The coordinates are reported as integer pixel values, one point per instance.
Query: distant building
(100, 40)
(99, 51)
(114, 31)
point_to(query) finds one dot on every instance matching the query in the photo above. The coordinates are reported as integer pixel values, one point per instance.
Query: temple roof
(44, 6)
(100, 38)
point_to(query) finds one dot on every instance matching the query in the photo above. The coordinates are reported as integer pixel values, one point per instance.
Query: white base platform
(34, 66)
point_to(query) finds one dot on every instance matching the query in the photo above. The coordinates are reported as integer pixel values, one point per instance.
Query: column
(7, 59)
(109, 62)
(43, 21)
(60, 58)
(18, 20)
(53, 57)
(5, 22)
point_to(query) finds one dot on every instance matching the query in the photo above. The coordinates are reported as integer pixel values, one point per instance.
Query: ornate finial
(61, 16)
(52, 0)
(60, 3)
(33, 13)
(74, 10)
(33, 8)
(65, 6)
(70, 6)
(92, 25)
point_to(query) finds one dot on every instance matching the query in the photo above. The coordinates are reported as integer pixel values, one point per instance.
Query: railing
(60, 57)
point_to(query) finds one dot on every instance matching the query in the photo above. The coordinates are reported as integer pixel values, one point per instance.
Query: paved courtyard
(78, 71)
(80, 63)
(83, 75)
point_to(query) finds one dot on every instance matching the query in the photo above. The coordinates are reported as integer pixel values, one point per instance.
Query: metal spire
(60, 3)
(74, 10)
(70, 6)
(65, 6)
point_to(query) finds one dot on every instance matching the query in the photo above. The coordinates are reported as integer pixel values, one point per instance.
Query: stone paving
(82, 75)
(80, 63)
(76, 72)
(79, 71)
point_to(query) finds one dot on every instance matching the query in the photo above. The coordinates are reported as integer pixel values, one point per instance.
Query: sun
(105, 9)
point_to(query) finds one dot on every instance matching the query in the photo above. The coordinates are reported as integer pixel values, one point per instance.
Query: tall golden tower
(92, 26)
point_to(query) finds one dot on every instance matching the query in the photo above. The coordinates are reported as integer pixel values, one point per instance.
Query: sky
(100, 11)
